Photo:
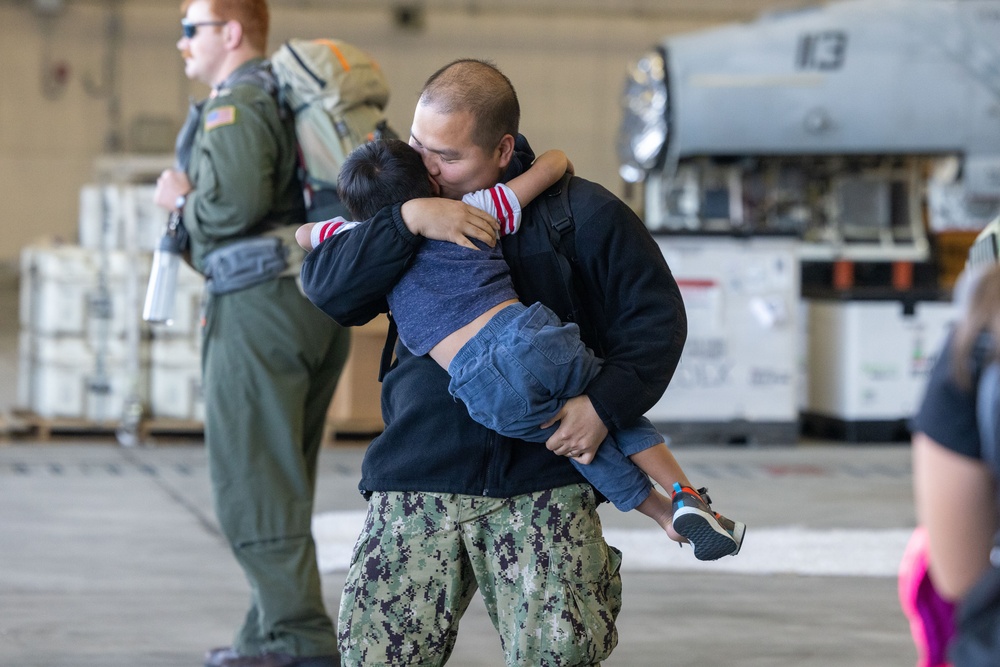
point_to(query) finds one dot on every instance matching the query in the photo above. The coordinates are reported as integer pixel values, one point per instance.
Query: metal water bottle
(161, 292)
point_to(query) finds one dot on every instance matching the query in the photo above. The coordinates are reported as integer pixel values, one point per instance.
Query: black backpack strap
(559, 217)
(554, 207)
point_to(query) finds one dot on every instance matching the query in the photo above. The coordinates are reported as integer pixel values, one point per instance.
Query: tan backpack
(338, 95)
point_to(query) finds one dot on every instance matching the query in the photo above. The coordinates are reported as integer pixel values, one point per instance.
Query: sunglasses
(190, 28)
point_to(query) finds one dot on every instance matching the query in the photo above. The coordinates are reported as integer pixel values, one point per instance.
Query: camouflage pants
(549, 580)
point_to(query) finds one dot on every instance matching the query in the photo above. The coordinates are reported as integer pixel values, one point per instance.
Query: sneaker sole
(710, 540)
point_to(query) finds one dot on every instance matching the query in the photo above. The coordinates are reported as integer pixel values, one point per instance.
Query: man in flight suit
(270, 359)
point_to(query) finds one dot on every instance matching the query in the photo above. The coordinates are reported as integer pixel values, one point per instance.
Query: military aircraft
(856, 125)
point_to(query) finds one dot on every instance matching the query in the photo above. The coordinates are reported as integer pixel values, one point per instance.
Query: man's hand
(580, 431)
(449, 220)
(171, 184)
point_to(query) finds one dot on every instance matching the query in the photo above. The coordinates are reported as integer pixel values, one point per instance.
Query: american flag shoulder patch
(220, 116)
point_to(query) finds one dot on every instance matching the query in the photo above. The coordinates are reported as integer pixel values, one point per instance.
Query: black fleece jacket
(430, 443)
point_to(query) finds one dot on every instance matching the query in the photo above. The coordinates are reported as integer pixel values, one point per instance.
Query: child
(513, 365)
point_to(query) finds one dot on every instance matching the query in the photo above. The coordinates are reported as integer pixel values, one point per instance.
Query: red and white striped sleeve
(321, 231)
(500, 202)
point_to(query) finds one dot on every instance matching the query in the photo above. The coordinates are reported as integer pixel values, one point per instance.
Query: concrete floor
(110, 556)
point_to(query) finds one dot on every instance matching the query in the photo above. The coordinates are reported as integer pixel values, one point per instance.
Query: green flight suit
(270, 363)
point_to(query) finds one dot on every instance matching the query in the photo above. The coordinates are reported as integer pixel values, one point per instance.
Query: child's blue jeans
(518, 371)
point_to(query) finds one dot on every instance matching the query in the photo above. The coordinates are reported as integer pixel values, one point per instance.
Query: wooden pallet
(351, 430)
(23, 425)
(171, 428)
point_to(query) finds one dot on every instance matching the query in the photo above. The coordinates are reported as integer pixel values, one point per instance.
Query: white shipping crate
(120, 217)
(68, 290)
(69, 377)
(869, 360)
(175, 389)
(740, 362)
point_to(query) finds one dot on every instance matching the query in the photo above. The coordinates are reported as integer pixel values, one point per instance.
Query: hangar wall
(89, 78)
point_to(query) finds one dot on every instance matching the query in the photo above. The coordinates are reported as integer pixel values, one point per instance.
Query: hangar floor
(110, 558)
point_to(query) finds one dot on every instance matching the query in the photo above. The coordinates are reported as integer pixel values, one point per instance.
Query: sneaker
(711, 534)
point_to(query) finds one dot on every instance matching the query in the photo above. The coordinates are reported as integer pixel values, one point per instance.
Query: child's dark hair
(380, 173)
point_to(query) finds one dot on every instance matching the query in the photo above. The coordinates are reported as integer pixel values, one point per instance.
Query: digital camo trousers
(549, 580)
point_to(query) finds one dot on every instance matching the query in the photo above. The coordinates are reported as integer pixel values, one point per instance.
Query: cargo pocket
(490, 399)
(583, 598)
(547, 335)
(350, 630)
